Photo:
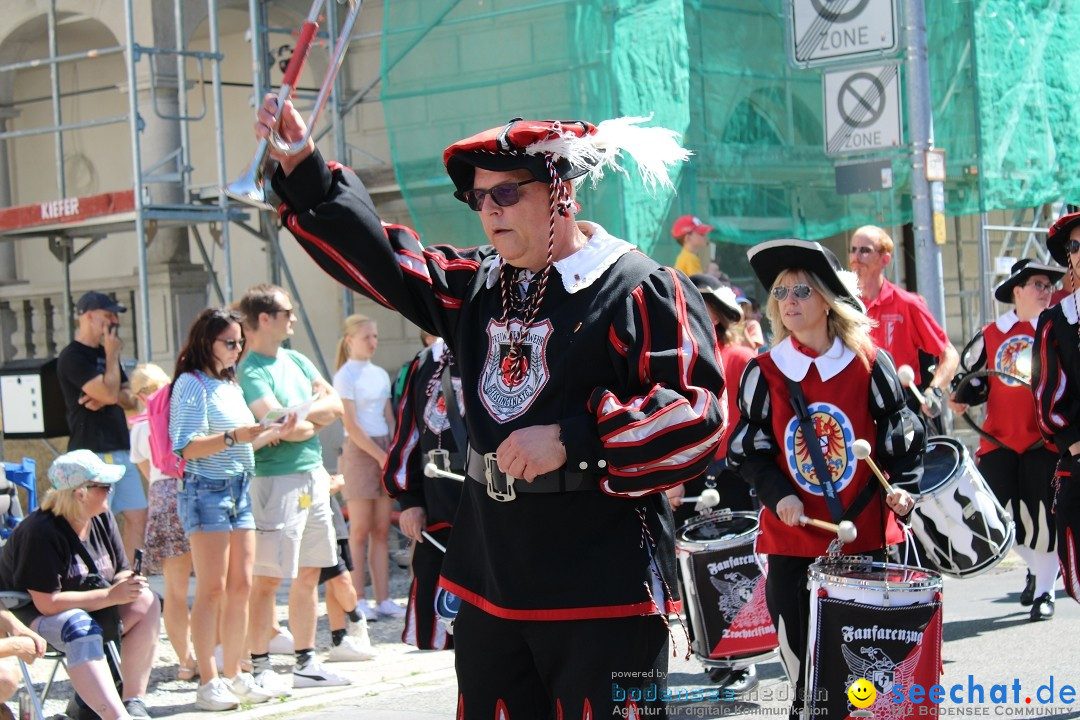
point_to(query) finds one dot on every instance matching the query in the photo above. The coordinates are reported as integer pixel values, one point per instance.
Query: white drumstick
(861, 450)
(433, 541)
(845, 530)
(432, 470)
(907, 379)
(708, 498)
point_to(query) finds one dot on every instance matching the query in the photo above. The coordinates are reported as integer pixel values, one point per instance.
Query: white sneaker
(359, 631)
(216, 695)
(389, 608)
(282, 643)
(219, 658)
(349, 651)
(315, 674)
(364, 609)
(245, 688)
(273, 683)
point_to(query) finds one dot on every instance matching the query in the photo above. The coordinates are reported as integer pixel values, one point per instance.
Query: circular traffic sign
(841, 15)
(865, 106)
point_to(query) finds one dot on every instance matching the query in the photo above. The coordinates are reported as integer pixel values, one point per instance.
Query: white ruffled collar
(795, 364)
(437, 349)
(1007, 321)
(1069, 308)
(584, 267)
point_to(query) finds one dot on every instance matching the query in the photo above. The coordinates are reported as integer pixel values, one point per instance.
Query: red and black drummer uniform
(1012, 456)
(846, 402)
(1055, 381)
(423, 426)
(622, 357)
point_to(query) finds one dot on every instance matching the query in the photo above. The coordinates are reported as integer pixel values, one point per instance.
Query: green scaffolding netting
(1003, 94)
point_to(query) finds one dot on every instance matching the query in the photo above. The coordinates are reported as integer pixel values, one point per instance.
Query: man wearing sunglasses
(904, 323)
(591, 379)
(96, 393)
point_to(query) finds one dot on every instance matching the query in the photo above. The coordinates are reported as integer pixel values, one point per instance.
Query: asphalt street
(988, 641)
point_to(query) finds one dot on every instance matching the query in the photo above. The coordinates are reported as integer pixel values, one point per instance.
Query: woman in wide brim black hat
(1055, 381)
(1011, 455)
(822, 351)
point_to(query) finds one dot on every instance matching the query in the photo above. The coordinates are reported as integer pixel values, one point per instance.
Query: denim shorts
(128, 494)
(211, 505)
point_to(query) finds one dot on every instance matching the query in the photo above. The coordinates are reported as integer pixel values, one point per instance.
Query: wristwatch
(230, 439)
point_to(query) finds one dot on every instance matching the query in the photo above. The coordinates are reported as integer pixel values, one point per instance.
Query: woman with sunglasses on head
(1055, 381)
(212, 428)
(821, 350)
(1012, 457)
(69, 557)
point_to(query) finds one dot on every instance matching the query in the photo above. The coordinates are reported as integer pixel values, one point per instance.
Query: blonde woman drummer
(1012, 457)
(822, 350)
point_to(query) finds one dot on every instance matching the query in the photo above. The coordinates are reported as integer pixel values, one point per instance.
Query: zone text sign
(830, 31)
(862, 109)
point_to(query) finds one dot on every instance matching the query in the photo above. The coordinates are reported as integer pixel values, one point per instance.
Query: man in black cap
(96, 393)
(590, 381)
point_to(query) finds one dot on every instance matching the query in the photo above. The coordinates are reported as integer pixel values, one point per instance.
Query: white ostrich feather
(851, 281)
(654, 149)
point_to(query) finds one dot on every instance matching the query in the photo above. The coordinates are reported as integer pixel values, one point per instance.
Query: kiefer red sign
(67, 210)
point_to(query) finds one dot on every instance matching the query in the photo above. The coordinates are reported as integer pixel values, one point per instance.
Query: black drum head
(941, 462)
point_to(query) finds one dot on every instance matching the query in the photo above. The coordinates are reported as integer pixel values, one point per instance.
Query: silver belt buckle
(498, 495)
(441, 458)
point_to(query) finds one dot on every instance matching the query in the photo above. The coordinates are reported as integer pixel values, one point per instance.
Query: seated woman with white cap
(69, 556)
(847, 389)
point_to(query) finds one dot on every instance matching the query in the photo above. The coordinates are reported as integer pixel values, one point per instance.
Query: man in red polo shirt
(904, 323)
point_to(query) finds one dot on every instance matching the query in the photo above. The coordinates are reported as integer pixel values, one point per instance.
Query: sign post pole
(921, 128)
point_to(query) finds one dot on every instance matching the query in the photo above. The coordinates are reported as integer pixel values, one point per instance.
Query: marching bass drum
(962, 527)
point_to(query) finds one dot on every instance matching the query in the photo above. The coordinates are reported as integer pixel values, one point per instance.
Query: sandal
(187, 673)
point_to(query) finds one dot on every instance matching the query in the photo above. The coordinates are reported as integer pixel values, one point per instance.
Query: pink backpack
(161, 449)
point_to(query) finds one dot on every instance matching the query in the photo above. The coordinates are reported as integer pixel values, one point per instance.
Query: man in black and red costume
(590, 381)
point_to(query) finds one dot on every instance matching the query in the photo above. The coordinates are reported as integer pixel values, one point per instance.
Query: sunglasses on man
(800, 292)
(504, 194)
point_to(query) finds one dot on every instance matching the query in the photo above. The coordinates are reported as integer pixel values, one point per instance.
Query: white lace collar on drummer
(581, 269)
(1007, 321)
(1069, 308)
(795, 364)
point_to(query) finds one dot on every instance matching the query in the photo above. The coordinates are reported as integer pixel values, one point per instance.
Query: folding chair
(22, 475)
(12, 600)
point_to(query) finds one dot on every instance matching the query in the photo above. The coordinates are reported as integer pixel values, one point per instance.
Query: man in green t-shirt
(290, 495)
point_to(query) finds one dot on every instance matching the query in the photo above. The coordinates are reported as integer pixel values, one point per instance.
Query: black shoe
(136, 708)
(719, 675)
(1028, 595)
(1042, 608)
(742, 681)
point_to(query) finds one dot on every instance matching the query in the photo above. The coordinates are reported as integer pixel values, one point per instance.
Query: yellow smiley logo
(862, 693)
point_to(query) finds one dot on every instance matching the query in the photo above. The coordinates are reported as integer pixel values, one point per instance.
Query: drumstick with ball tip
(432, 470)
(708, 498)
(907, 379)
(845, 530)
(861, 450)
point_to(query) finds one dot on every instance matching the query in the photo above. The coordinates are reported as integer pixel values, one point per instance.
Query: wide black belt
(504, 488)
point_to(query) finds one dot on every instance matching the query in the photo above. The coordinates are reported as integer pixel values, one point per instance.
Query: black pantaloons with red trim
(422, 627)
(1067, 518)
(559, 669)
